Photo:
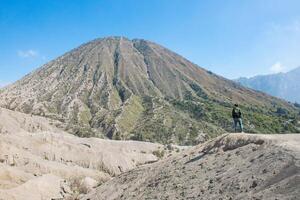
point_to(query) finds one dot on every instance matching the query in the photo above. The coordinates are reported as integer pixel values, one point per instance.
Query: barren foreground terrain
(232, 166)
(39, 161)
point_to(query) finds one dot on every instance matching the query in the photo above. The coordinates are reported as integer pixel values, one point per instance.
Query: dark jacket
(236, 113)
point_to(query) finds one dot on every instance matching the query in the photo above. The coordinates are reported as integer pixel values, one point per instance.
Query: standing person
(237, 118)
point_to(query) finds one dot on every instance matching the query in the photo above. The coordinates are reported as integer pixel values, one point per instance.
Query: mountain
(135, 89)
(232, 166)
(283, 85)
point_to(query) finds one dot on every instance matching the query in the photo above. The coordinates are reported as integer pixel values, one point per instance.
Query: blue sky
(232, 38)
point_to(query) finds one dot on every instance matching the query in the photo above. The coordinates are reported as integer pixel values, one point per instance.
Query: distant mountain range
(283, 85)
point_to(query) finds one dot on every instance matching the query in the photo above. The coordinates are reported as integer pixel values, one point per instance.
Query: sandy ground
(39, 161)
(232, 166)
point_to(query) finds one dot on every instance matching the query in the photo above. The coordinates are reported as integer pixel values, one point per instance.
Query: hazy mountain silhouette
(283, 85)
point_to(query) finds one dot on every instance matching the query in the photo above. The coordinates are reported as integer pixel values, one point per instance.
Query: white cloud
(277, 67)
(28, 53)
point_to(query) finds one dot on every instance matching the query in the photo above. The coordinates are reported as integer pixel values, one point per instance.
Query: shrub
(281, 111)
(158, 153)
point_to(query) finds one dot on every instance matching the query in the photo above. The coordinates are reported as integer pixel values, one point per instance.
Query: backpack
(236, 113)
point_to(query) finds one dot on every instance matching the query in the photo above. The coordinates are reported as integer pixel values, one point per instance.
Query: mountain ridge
(283, 85)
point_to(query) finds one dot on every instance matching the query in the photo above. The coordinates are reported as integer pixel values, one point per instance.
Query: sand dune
(39, 161)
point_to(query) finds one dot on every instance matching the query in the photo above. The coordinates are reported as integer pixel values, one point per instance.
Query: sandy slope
(39, 161)
(232, 166)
